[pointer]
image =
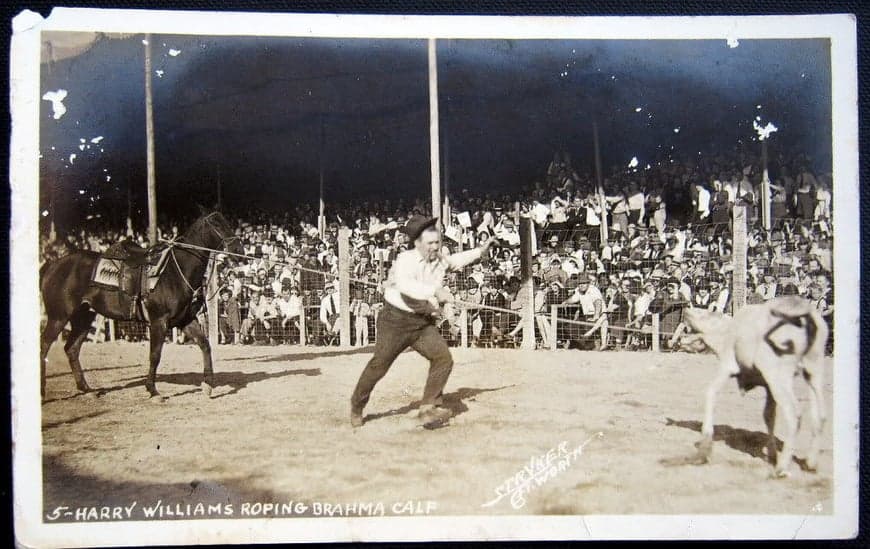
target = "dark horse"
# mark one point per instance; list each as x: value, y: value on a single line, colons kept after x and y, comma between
x: 69, y: 296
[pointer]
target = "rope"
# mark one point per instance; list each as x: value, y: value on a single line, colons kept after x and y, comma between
x: 275, y: 262
x: 464, y: 304
x: 180, y: 272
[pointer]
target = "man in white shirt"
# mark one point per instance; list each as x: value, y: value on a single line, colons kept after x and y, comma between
x: 413, y: 296
x: 290, y: 309
x: 330, y: 308
x: 702, y: 203
x: 592, y: 306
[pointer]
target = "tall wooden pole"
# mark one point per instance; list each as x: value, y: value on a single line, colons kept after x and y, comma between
x: 433, y: 130
x: 765, y: 188
x: 344, y: 285
x: 528, y: 283
x: 738, y: 254
x: 602, y: 202
x: 149, y: 140
x: 321, y: 216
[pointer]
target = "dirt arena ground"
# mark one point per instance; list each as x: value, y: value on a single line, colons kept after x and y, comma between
x: 277, y: 430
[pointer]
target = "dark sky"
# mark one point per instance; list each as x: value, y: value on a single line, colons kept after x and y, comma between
x: 251, y: 111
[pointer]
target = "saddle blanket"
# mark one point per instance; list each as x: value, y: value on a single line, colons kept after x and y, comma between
x: 108, y: 272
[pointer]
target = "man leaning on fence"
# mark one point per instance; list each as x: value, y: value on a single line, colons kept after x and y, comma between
x: 413, y: 298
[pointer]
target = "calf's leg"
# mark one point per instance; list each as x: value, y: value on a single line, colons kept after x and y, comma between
x: 770, y: 422
x: 782, y: 388
x: 727, y: 368
x: 817, y: 418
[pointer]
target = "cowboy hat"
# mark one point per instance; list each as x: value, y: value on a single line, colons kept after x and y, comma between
x: 416, y: 225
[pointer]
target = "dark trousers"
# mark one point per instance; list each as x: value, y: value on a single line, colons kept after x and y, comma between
x: 398, y: 330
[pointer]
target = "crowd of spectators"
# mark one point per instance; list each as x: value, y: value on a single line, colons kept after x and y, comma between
x: 668, y: 246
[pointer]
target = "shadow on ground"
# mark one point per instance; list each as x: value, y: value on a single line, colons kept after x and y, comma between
x: 87, y: 370
x: 235, y: 380
x: 752, y: 443
x: 292, y: 357
x: 64, y: 486
x: 451, y: 401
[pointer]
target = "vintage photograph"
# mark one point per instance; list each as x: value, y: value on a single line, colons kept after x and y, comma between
x: 325, y: 276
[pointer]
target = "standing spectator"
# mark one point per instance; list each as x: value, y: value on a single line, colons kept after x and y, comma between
x: 619, y: 212
x: 719, y: 295
x: 636, y: 204
x: 805, y: 196
x: 360, y: 311
x: 669, y: 305
x: 330, y: 310
x: 229, y: 318
x: 656, y: 205
x: 701, y: 203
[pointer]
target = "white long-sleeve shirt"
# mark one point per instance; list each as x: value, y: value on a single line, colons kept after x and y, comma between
x: 418, y: 278
x: 329, y: 305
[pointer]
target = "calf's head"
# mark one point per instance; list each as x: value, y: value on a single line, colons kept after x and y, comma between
x: 711, y: 326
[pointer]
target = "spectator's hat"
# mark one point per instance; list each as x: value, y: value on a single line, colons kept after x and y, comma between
x: 657, y: 273
x: 225, y: 291
x: 672, y: 281
x: 555, y: 260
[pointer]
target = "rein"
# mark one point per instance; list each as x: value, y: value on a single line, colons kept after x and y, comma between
x: 177, y: 243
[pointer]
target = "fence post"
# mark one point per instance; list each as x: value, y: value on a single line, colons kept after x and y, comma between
x: 463, y: 327
x: 303, y: 335
x: 655, y: 332
x: 344, y: 285
x: 212, y: 301
x: 738, y: 258
x: 554, y: 324
x: 528, y: 283
x: 112, y: 328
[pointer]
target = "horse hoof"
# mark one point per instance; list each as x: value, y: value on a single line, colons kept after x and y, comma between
x: 779, y: 474
x: 157, y: 398
x: 92, y: 395
x: 206, y: 389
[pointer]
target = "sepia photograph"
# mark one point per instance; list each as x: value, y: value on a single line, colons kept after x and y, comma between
x: 388, y: 278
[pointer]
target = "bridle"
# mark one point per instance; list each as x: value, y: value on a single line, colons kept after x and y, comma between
x: 225, y: 240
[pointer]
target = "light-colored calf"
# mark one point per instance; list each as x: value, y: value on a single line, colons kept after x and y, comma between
x: 767, y: 345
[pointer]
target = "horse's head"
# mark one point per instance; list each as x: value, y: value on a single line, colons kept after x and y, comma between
x: 214, y: 227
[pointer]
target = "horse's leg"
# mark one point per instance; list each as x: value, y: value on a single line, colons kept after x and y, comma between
x: 52, y: 329
x: 157, y: 335
x: 194, y: 331
x: 80, y: 325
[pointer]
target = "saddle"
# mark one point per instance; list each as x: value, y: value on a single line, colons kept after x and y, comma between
x: 131, y: 272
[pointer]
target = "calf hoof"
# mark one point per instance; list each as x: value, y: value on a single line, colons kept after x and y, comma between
x: 206, y: 389
x: 705, y: 447
x: 777, y: 474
